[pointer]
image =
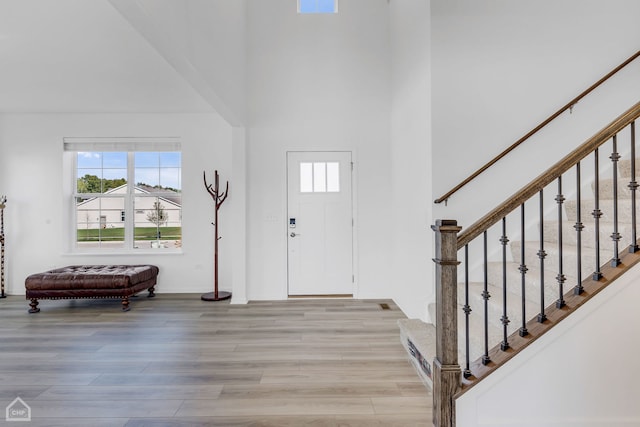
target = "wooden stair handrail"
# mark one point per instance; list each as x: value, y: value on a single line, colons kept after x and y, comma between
x: 548, y: 176
x: 567, y: 106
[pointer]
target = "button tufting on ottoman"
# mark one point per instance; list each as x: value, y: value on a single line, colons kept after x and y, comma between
x: 91, y: 281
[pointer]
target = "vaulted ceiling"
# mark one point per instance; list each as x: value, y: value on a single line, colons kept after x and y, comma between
x: 83, y: 56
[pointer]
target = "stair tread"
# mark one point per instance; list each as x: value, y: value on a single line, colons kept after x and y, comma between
x: 495, y: 306
x: 420, y: 334
x: 419, y: 341
x: 551, y: 249
x: 476, y: 335
x: 605, y: 187
x: 605, y: 206
x: 531, y: 276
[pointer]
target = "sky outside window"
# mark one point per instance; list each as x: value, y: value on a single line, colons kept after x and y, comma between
x: 158, y: 169
x: 317, y: 6
x: 98, y: 166
x: 151, y: 168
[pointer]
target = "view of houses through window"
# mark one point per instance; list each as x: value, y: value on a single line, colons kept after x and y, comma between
x: 128, y: 200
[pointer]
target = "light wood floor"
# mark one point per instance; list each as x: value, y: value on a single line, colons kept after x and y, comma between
x: 175, y: 360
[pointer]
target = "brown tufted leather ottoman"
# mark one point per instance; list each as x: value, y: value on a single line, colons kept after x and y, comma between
x: 91, y: 281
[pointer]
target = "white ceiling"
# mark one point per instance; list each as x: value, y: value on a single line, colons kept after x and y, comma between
x: 82, y: 56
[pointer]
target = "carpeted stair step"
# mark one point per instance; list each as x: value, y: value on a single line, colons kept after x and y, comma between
x: 476, y: 335
x: 569, y: 258
x: 624, y: 168
x: 419, y: 341
x: 588, y: 236
x: 587, y: 207
x: 532, y: 280
x: 494, y: 305
x: 606, y: 188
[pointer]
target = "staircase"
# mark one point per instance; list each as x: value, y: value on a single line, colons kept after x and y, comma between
x: 520, y: 277
x: 418, y: 337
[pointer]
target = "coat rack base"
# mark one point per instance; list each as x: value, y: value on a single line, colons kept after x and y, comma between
x: 211, y: 296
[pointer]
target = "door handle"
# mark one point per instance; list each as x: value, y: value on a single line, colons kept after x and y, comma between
x: 293, y: 234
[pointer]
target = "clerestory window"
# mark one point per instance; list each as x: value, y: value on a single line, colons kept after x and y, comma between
x: 317, y: 6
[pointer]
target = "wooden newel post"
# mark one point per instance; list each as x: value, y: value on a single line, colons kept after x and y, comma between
x: 446, y: 372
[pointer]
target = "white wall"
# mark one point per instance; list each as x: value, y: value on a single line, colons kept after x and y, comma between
x: 500, y: 67
x: 204, y: 41
x: 217, y: 41
x: 318, y: 83
x: 32, y: 177
x: 565, y: 378
x: 411, y: 156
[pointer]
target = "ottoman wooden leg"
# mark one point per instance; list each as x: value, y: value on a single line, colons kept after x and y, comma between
x: 151, y: 292
x: 34, y: 305
x: 125, y: 304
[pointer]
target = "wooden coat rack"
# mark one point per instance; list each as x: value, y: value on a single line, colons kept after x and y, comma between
x: 3, y: 201
x: 218, y: 200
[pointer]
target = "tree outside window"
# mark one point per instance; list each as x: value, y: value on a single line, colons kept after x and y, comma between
x: 158, y: 216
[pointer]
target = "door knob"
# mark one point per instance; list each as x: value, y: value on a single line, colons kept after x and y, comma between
x: 293, y: 234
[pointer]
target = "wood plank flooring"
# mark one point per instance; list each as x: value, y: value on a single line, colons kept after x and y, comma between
x: 175, y: 360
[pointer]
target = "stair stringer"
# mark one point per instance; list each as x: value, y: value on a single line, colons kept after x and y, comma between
x: 581, y: 372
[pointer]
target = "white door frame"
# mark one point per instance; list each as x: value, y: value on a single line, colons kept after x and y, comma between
x: 354, y: 213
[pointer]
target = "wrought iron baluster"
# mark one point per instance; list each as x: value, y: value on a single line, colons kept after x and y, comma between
x: 633, y: 186
x: 615, y: 236
x: 597, y: 213
x: 542, y: 255
x: 523, y: 271
x: 579, y: 226
x: 485, y: 296
x: 467, y: 311
x: 560, y: 277
x: 504, y: 345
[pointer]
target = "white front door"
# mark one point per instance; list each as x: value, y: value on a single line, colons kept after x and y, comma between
x: 320, y: 223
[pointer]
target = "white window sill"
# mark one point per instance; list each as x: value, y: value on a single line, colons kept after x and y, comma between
x: 145, y: 252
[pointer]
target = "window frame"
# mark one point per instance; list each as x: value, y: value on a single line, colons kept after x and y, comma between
x: 130, y: 146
